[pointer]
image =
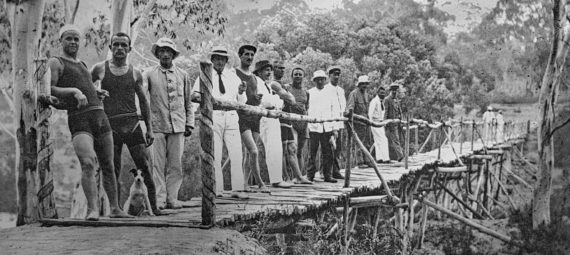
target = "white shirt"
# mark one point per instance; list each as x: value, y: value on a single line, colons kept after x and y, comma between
x: 376, y: 109
x: 269, y: 98
x: 322, y: 105
x: 231, y: 84
x: 339, y: 104
x: 488, y: 117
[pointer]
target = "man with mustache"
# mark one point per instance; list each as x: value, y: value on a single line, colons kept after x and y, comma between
x: 172, y: 118
x: 124, y: 83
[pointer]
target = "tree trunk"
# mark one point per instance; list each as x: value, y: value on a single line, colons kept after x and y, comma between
x: 120, y: 16
x: 547, y: 98
x: 25, y: 40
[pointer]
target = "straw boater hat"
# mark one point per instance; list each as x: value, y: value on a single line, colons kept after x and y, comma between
x: 332, y: 68
x: 219, y: 51
x: 363, y: 79
x: 164, y: 42
x: 262, y: 64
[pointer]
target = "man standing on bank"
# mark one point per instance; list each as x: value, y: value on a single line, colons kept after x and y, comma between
x: 172, y: 116
x: 88, y: 123
x: 321, y: 105
x: 124, y: 83
x: 226, y: 86
x: 376, y: 113
x: 339, y: 108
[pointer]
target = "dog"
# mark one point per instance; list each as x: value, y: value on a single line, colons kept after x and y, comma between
x: 138, y: 203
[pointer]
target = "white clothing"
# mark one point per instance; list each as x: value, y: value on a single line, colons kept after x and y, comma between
x: 488, y: 118
x: 376, y: 113
x: 226, y: 129
x: 270, y: 133
x: 500, y: 127
x: 321, y: 105
x: 339, y: 104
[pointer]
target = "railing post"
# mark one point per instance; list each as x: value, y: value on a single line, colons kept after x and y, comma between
x: 472, y: 133
x: 207, y: 144
x: 416, y: 139
x: 439, y: 142
x: 350, y: 144
x: 407, y: 150
x: 461, y: 135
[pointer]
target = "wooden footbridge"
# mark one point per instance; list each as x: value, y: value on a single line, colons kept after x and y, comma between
x: 462, y: 177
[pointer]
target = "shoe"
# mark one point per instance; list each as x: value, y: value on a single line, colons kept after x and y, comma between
x: 239, y: 195
x: 337, y: 176
x: 331, y: 180
x: 362, y: 166
x: 158, y: 212
x: 311, y: 178
x: 92, y: 215
x: 174, y: 205
x: 284, y: 185
x: 118, y: 213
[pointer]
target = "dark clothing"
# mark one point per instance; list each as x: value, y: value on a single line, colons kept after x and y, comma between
x: 359, y: 102
x: 76, y: 75
x: 121, y: 90
x: 393, y: 111
x: 337, y: 153
x: 249, y: 121
x: 127, y: 130
x: 315, y: 140
x: 301, y: 104
x: 93, y: 122
x: 287, y: 133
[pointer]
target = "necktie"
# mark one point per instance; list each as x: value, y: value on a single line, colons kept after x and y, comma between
x: 268, y: 89
x: 221, y: 84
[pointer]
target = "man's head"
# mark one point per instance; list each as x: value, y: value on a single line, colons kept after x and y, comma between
x: 394, y: 88
x: 402, y: 92
x: 381, y: 92
x: 246, y: 54
x: 320, y: 79
x: 69, y: 37
x: 219, y: 57
x: 278, y: 69
x: 297, y: 75
x: 363, y: 82
x: 334, y: 74
x: 263, y: 69
x: 120, y: 45
x: 165, y: 50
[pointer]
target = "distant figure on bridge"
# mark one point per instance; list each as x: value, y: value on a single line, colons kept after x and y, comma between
x: 488, y: 120
x: 227, y: 86
x: 90, y: 129
x: 272, y: 99
x: 249, y: 124
x: 359, y: 102
x: 124, y: 83
x: 321, y: 105
x: 500, y: 126
x: 338, y: 111
x: 376, y: 113
x: 301, y: 95
x: 393, y: 111
x: 288, y: 133
x: 172, y: 117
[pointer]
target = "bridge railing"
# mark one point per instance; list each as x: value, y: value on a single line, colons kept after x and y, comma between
x: 450, y: 132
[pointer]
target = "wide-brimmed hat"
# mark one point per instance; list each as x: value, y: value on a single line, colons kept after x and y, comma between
x: 489, y: 108
x: 248, y: 47
x: 164, y: 42
x: 262, y: 64
x: 362, y: 79
x: 319, y: 74
x: 332, y: 68
x: 219, y: 51
x: 396, y: 85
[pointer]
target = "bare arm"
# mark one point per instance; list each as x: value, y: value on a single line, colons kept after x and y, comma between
x: 283, y: 94
x: 56, y: 68
x: 143, y: 100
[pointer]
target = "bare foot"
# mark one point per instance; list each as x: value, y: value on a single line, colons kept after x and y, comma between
x: 118, y: 213
x: 92, y: 215
x: 303, y: 180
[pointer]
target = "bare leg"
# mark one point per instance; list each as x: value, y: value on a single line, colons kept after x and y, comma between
x: 104, y: 151
x: 292, y: 161
x: 83, y: 145
x: 249, y: 140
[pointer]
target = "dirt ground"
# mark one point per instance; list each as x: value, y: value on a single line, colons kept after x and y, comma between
x: 124, y: 240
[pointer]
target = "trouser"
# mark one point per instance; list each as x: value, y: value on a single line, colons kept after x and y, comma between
x: 337, y: 153
x: 393, y: 135
x: 270, y: 133
x: 226, y: 129
x: 363, y: 132
x: 380, y: 144
x: 167, y: 163
x: 315, y: 140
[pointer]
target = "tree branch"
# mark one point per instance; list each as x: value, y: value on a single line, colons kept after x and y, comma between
x: 75, y: 12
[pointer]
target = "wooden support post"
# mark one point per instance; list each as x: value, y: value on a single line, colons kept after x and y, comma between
x: 459, y: 200
x: 472, y: 134
x: 453, y: 149
x: 472, y: 224
x: 407, y: 145
x: 416, y: 138
x: 350, y: 145
x: 504, y: 190
x: 426, y: 141
x: 439, y: 142
x: 374, y: 166
x: 46, y: 198
x: 461, y: 135
x: 346, y: 225
x: 207, y: 144
x: 423, y: 226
